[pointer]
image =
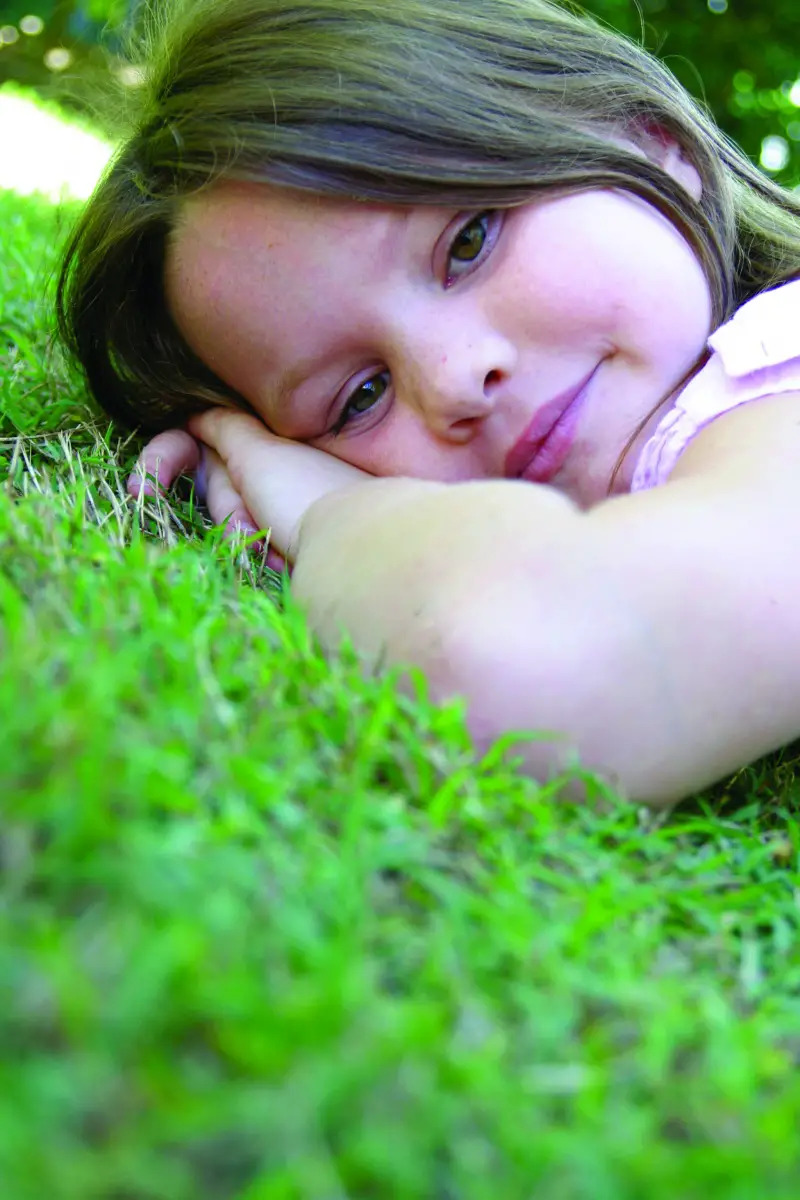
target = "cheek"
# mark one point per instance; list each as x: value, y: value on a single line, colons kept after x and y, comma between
x: 550, y: 289
x: 602, y: 265
x: 387, y: 449
x: 647, y: 308
x: 400, y: 445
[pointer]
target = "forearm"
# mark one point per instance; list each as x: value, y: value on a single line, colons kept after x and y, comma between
x: 493, y: 589
x: 659, y: 633
x: 397, y: 562
x: 617, y: 628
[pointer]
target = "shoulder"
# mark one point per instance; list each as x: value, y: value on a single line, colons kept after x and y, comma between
x: 753, y: 443
x: 748, y: 409
x: 755, y: 357
x: 764, y: 332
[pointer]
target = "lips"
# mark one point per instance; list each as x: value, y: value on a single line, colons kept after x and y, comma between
x: 541, y: 451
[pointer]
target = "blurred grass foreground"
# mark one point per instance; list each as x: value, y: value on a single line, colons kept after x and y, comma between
x: 269, y: 932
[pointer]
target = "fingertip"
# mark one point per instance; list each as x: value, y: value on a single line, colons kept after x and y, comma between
x: 276, y: 562
x: 242, y: 527
x: 207, y: 425
x: 168, y: 455
x: 138, y: 485
x: 200, y: 478
x: 195, y: 425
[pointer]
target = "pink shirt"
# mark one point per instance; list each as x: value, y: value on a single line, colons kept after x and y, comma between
x: 759, y: 351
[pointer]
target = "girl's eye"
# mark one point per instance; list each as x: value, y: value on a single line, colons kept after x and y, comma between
x: 360, y: 401
x: 466, y: 249
x: 468, y: 245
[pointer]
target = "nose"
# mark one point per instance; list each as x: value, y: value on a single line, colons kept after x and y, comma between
x: 457, y: 378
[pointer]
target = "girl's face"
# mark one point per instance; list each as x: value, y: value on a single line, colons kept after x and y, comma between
x: 425, y: 341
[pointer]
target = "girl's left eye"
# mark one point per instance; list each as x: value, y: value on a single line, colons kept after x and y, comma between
x: 469, y: 244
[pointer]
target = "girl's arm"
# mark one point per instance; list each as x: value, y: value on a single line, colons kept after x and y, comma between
x: 659, y: 633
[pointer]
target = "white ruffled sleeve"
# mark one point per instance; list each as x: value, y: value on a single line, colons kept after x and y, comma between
x: 759, y: 352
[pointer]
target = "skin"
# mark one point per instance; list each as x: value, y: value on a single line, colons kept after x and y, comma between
x: 656, y: 632
x: 271, y: 286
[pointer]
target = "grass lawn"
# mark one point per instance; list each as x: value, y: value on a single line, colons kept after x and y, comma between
x: 268, y: 932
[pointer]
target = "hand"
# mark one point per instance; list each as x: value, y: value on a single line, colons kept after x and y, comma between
x: 253, y: 478
x: 175, y: 452
x: 278, y: 480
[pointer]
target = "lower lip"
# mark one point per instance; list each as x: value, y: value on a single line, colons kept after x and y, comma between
x: 551, y: 453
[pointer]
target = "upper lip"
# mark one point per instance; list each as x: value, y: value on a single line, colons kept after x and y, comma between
x: 540, y: 427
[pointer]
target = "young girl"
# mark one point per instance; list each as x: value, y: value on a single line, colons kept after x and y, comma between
x: 492, y: 253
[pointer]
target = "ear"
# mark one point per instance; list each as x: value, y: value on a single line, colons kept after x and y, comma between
x: 665, y: 151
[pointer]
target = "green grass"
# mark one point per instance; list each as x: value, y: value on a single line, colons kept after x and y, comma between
x: 268, y: 931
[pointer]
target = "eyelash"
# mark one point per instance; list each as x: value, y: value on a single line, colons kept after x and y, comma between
x: 487, y: 215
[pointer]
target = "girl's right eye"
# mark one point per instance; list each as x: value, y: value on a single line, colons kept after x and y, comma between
x: 361, y: 400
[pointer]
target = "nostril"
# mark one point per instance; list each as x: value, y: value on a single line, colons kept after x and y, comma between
x: 491, y: 379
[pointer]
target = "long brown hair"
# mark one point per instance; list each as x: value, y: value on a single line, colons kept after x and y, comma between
x: 483, y: 103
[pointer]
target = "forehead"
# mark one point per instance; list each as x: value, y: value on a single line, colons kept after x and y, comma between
x: 233, y: 220
x: 247, y: 264
x: 237, y: 227
x: 234, y: 261
x: 253, y: 234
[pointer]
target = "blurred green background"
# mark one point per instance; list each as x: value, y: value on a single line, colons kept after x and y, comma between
x: 741, y: 57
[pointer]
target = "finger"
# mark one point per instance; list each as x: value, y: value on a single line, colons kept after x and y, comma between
x: 164, y: 458
x: 236, y: 436
x: 216, y: 423
x: 278, y: 479
x: 201, y: 478
x: 224, y: 502
x: 276, y: 562
x: 226, y: 505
